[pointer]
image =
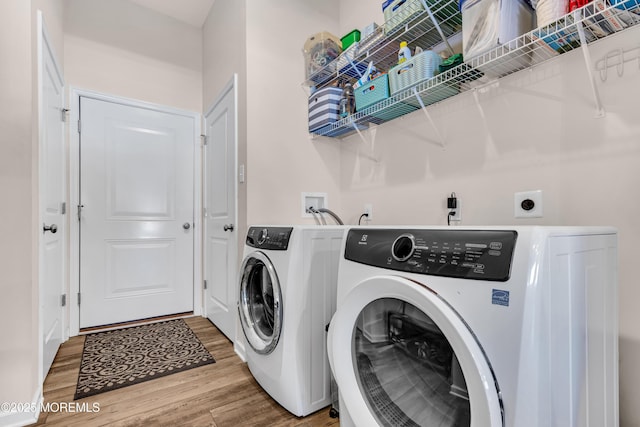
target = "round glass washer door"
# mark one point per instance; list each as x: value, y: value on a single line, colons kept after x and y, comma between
x: 260, y: 303
x: 402, y: 356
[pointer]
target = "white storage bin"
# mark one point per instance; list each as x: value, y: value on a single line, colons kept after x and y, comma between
x: 487, y: 24
x: 549, y: 11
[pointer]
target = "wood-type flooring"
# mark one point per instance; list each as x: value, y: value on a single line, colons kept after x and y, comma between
x: 223, y: 394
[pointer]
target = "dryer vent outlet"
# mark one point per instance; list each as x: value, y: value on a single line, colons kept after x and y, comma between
x: 528, y: 204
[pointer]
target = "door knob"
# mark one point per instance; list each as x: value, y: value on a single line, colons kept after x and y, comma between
x: 52, y: 228
x: 186, y: 225
x: 228, y: 227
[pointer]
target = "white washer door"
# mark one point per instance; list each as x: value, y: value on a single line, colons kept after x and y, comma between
x: 260, y: 303
x: 402, y: 356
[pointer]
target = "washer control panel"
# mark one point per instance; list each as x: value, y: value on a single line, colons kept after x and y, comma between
x: 269, y: 238
x: 467, y: 254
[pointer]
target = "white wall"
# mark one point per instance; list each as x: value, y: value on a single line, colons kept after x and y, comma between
x: 224, y: 54
x: 120, y: 48
x: 19, y: 227
x: 357, y: 14
x: 18, y: 369
x: 224, y: 48
x: 539, y: 132
x: 281, y: 160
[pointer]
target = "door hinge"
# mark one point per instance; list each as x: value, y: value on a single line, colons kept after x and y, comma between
x: 63, y: 300
x: 80, y: 212
x: 204, y: 139
x: 63, y: 208
x: 205, y: 284
x: 78, y: 298
x: 63, y: 114
x: 79, y: 127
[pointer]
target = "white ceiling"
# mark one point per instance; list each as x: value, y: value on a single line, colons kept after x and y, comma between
x: 193, y: 12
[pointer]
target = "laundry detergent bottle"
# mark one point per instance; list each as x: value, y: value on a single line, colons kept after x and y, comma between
x: 404, y: 53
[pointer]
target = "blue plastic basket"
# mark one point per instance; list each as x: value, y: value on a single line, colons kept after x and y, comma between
x: 372, y: 92
x: 359, y: 71
x: 628, y: 4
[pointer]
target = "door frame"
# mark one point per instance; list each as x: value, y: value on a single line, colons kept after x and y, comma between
x: 74, y: 199
x: 44, y: 44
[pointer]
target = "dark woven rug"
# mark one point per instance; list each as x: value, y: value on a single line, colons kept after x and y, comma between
x: 123, y: 357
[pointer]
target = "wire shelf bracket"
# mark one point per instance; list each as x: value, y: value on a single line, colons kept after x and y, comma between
x: 600, y: 113
x: 483, y: 116
x: 360, y: 134
x: 426, y: 113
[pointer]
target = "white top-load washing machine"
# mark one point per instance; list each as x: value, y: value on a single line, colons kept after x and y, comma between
x: 478, y: 326
x: 287, y: 296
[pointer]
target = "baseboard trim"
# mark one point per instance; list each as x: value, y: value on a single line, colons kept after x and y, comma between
x: 239, y: 349
x: 23, y: 418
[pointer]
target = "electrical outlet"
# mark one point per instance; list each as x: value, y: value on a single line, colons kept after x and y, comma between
x: 458, y: 215
x: 368, y: 209
x: 528, y: 204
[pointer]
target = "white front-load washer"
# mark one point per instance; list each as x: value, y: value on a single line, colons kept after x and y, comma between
x: 287, y: 295
x: 482, y: 327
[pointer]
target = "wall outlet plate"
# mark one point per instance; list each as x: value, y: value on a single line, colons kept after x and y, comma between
x: 528, y: 204
x: 458, y: 211
x: 368, y: 209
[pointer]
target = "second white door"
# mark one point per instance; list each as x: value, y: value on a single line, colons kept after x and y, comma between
x: 53, y: 245
x: 136, y: 212
x: 221, y: 245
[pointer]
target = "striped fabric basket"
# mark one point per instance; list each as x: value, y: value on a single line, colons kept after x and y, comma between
x: 324, y: 107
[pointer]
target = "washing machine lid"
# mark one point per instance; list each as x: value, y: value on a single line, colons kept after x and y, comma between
x: 366, y: 399
x: 260, y: 303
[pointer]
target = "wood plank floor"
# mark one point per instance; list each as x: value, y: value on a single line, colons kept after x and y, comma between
x: 217, y: 395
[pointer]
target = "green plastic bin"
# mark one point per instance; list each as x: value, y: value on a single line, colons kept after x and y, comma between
x: 350, y: 38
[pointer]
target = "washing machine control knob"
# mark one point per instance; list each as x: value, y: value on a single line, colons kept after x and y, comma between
x: 403, y: 247
x: 262, y: 237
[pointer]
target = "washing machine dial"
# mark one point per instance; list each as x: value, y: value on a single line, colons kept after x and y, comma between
x: 403, y: 247
x: 262, y: 237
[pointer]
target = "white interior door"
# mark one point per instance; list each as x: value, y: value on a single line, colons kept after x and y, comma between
x: 137, y: 212
x: 220, y: 213
x: 52, y: 203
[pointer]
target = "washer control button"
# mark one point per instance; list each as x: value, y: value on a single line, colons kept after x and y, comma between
x: 403, y: 247
x: 262, y: 237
